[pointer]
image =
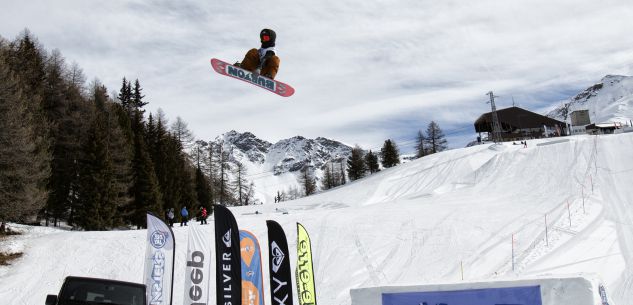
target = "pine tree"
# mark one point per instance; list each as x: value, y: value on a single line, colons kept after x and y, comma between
x: 212, y: 171
x: 158, y: 146
x: 281, y: 196
x: 181, y: 131
x: 151, y: 136
x: 307, y: 181
x: 104, y: 176
x: 121, y: 150
x: 371, y: 161
x: 137, y: 97
x: 328, y: 177
x: 92, y: 210
x: 356, y: 164
x: 203, y: 191
x: 145, y: 189
x: 66, y: 110
x: 23, y: 158
x: 241, y: 184
x: 179, y: 175
x: 250, y: 194
x: 125, y: 95
x: 26, y: 60
x: 343, y: 181
x: 435, y: 139
x: 390, y: 154
x: 420, y: 146
x: 224, y: 193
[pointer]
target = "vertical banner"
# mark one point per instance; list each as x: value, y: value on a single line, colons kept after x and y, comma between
x: 198, y: 270
x: 159, y: 262
x: 227, y: 257
x: 252, y: 277
x: 279, y: 265
x: 305, y: 271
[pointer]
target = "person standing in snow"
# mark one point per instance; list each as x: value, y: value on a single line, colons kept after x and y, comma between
x: 263, y: 60
x: 184, y: 214
x: 170, y: 217
x: 203, y: 215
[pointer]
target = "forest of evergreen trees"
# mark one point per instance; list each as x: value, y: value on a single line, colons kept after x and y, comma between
x: 71, y: 153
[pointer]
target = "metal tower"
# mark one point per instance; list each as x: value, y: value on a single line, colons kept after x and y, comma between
x: 496, y: 127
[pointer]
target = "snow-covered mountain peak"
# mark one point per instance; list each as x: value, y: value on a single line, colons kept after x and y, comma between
x: 290, y: 155
x: 274, y: 166
x: 249, y: 146
x: 609, y: 101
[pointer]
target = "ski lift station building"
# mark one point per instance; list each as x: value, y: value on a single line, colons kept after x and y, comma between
x: 520, y: 124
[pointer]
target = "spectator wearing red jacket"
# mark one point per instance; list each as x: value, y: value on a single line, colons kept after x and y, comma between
x: 203, y: 215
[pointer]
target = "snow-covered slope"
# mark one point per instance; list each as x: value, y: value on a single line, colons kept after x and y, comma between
x: 274, y: 167
x: 609, y: 101
x: 412, y: 224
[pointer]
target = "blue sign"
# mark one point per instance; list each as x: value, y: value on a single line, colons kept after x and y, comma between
x: 530, y: 295
x: 158, y: 239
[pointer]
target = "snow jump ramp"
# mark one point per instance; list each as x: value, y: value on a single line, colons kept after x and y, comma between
x: 579, y: 290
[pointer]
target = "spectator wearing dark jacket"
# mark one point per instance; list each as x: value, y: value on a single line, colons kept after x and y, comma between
x: 170, y: 217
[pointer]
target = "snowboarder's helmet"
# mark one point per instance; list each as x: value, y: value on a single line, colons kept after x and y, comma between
x: 267, y: 36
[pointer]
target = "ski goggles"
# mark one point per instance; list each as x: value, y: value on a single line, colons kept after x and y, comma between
x: 265, y: 38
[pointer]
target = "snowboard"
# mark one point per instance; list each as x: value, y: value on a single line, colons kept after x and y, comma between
x: 271, y: 85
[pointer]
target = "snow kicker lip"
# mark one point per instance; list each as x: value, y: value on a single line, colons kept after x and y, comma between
x: 251, y: 77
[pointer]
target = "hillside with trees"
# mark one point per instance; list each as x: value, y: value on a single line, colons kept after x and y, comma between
x: 70, y: 153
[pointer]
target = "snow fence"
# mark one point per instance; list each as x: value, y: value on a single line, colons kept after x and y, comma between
x: 578, y: 290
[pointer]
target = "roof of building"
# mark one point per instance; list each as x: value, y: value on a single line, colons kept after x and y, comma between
x: 517, y: 118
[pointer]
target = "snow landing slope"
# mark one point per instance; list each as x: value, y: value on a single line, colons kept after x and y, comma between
x: 412, y: 224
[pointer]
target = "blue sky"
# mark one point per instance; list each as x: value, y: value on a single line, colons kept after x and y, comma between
x: 364, y: 71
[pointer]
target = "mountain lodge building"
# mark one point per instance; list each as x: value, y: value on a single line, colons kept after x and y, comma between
x: 520, y: 124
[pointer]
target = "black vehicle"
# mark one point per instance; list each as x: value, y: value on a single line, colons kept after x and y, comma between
x: 91, y: 291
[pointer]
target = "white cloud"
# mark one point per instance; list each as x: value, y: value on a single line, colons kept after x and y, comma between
x: 353, y: 63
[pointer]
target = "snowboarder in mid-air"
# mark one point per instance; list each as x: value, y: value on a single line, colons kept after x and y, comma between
x: 264, y: 60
